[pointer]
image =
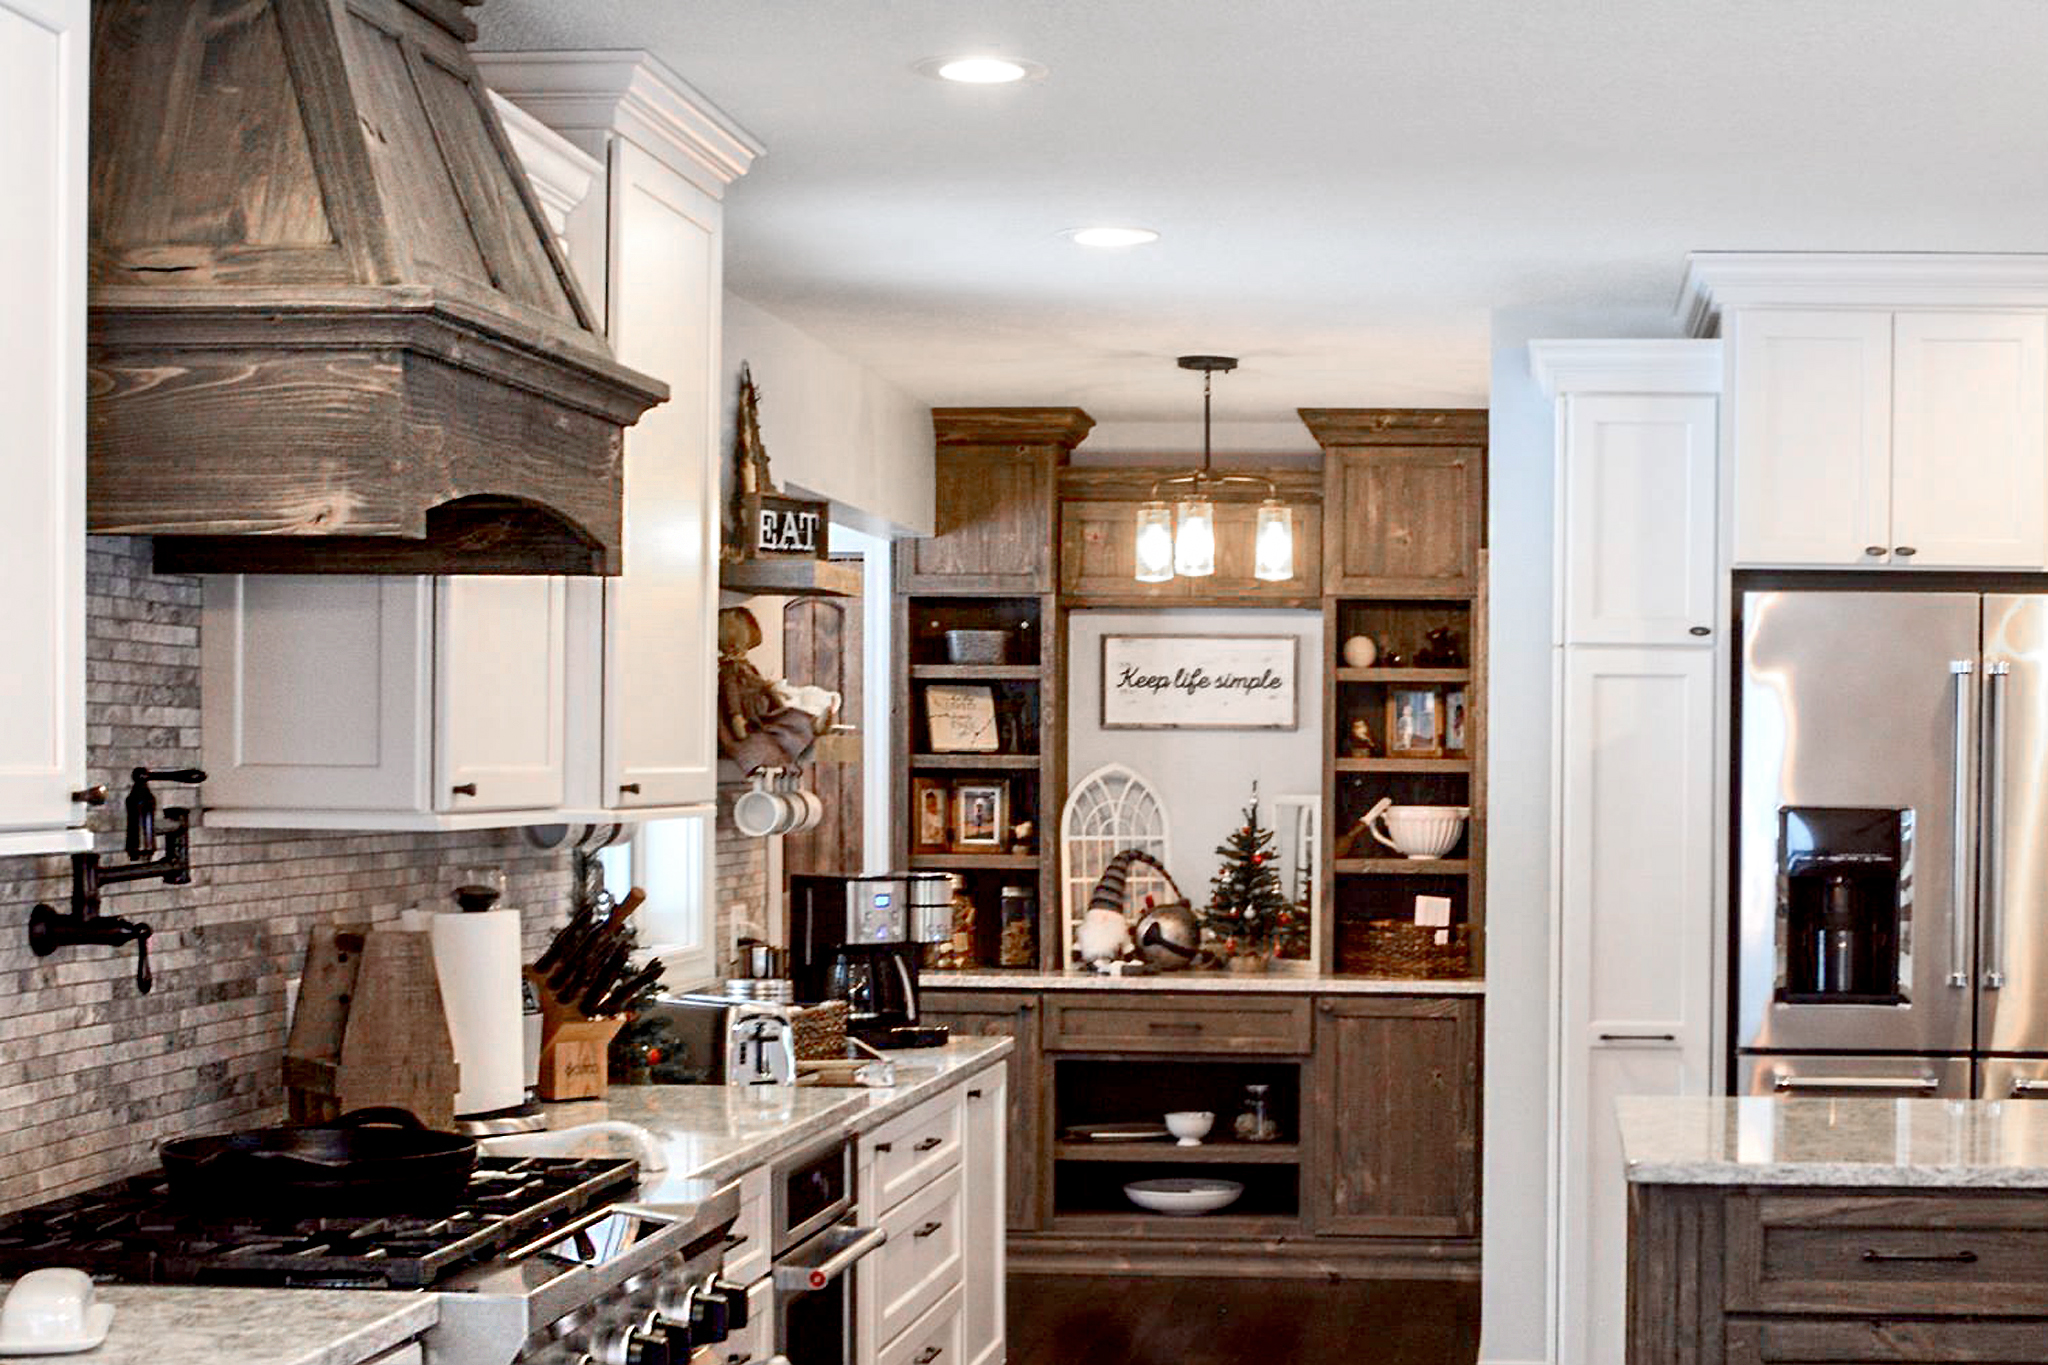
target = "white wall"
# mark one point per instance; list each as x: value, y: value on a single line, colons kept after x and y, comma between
x: 1516, y: 1297
x: 1203, y: 776
x: 833, y: 428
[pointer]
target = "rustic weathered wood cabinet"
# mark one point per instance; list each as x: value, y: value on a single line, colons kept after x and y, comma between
x: 997, y: 481
x: 1098, y: 540
x: 993, y: 1014
x: 1404, y: 502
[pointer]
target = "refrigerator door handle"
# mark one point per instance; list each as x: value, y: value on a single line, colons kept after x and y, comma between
x: 1959, y: 833
x: 1997, y: 678
x: 1890, y: 1084
x: 2025, y: 1089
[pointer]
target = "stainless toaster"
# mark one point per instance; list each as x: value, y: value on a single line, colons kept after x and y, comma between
x: 710, y: 1040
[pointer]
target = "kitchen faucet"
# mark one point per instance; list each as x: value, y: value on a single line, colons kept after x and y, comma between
x: 50, y: 929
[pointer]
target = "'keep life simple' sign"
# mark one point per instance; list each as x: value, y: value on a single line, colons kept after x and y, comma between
x: 1199, y: 682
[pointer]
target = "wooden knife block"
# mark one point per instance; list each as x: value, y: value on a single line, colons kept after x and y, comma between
x: 574, y: 1050
x: 370, y: 1029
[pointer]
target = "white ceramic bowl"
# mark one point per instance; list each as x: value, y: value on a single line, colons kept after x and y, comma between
x: 1183, y: 1196
x: 1418, y: 831
x: 1190, y: 1125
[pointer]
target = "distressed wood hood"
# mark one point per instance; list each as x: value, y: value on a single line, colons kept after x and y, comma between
x: 329, y: 328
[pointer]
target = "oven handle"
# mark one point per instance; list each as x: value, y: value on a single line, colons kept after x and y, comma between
x: 852, y: 1244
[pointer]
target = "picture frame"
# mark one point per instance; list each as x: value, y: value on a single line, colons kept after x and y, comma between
x: 1457, y: 724
x: 1200, y: 682
x: 931, y: 807
x: 960, y: 718
x: 981, y: 815
x: 1414, y: 723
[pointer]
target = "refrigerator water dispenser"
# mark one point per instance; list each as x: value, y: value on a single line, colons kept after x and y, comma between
x: 1844, y: 905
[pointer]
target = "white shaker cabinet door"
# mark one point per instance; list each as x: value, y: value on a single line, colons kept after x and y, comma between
x: 1639, y: 490
x: 1635, y: 910
x: 660, y: 745
x: 1970, y: 440
x: 1811, y: 409
x: 499, y: 704
x: 43, y: 49
x: 984, y: 1207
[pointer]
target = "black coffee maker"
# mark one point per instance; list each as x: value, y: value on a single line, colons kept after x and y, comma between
x: 858, y: 939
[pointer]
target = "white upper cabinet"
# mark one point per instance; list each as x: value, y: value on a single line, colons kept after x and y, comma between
x: 43, y: 50
x: 656, y: 255
x: 390, y: 702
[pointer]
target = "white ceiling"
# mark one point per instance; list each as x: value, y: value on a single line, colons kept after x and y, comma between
x: 1346, y: 188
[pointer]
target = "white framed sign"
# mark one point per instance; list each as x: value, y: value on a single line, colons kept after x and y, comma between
x: 1200, y: 682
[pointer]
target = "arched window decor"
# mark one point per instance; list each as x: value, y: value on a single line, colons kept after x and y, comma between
x: 1108, y: 811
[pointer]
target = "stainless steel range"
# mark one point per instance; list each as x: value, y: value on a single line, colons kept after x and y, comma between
x: 545, y: 1260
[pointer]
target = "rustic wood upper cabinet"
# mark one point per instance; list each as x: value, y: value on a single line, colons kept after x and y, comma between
x: 42, y: 390
x: 997, y: 472
x: 1098, y: 528
x: 1397, y: 1150
x: 1404, y: 499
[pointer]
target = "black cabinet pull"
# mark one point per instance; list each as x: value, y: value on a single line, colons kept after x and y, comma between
x: 735, y: 1239
x: 1172, y: 1026
x: 1874, y: 551
x: 463, y: 789
x: 928, y: 1144
x: 974, y: 1094
x: 929, y: 1354
x: 929, y: 1228
x: 882, y: 1147
x: 629, y: 789
x: 91, y: 796
x: 1700, y: 630
x: 1904, y: 551
x: 1638, y: 1037
x: 1911, y: 1258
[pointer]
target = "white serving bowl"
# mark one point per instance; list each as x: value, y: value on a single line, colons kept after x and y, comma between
x: 1417, y: 831
x: 1190, y: 1125
x: 1183, y: 1196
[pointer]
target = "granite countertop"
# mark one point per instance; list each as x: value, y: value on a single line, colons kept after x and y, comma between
x: 1878, y: 1143
x: 716, y: 1133
x: 195, y: 1325
x: 1257, y: 983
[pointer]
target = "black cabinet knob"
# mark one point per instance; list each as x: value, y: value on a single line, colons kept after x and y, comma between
x: 1874, y: 551
x: 629, y: 789
x: 463, y: 789
x: 1700, y: 630
x: 1904, y: 551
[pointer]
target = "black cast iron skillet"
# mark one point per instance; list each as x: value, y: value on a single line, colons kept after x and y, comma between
x: 368, y: 1161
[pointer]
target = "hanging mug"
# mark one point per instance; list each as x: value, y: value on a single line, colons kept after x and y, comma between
x: 759, y: 811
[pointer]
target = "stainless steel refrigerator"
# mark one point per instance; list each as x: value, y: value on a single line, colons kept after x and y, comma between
x: 1891, y: 840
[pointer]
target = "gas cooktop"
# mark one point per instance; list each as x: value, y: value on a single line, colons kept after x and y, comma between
x: 134, y: 1231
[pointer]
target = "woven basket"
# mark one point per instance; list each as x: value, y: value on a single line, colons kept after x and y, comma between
x: 1396, y: 948
x: 820, y: 1031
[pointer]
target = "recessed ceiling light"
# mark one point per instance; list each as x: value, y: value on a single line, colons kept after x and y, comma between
x: 1113, y: 236
x: 981, y: 70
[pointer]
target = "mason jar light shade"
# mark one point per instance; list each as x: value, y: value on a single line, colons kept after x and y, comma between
x: 1194, y: 543
x: 1273, y: 547
x: 1155, y: 543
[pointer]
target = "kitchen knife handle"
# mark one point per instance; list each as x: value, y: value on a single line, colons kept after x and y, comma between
x: 1959, y: 833
x: 1998, y: 678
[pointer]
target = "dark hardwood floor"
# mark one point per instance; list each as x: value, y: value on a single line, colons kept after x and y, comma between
x: 1111, y: 1320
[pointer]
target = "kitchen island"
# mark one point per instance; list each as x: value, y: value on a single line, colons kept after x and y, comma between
x: 210, y: 1325
x: 1845, y: 1230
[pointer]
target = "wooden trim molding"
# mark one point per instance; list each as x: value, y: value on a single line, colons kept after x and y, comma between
x: 1395, y: 426
x: 1127, y: 483
x: 1064, y: 427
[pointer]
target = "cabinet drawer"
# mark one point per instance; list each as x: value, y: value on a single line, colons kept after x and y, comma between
x: 1863, y: 1339
x: 907, y: 1152
x: 1179, y: 1023
x: 1941, y: 1255
x: 412, y: 1353
x: 746, y: 1248
x: 933, y: 1340
x: 921, y: 1262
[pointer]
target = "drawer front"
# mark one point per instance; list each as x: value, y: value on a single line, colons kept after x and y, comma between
x: 1942, y: 1255
x: 412, y: 1353
x: 933, y: 1340
x: 753, y: 1344
x: 1859, y: 1340
x: 747, y: 1250
x: 1179, y: 1023
x: 921, y: 1262
x: 909, y: 1151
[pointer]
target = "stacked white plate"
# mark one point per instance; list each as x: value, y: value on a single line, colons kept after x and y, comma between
x: 1184, y: 1196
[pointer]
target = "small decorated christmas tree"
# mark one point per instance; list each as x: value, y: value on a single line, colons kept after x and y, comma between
x: 1248, y: 911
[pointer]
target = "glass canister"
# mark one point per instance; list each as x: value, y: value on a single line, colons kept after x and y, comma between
x: 956, y: 954
x: 1020, y: 927
x: 1256, y: 1123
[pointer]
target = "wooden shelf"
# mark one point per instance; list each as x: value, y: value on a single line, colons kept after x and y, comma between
x: 1402, y: 765
x: 977, y: 762
x: 1227, y: 1153
x: 970, y: 862
x: 974, y: 672
x: 791, y: 578
x: 1103, y: 1224
x: 1403, y: 867
x: 1403, y: 675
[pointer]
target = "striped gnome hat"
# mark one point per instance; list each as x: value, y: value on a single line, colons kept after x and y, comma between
x: 1110, y: 893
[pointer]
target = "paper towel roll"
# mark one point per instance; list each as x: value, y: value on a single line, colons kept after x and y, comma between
x: 476, y: 957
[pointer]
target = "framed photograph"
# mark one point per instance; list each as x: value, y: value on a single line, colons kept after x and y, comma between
x: 960, y: 718
x: 1200, y: 682
x: 930, y: 811
x: 1455, y: 723
x: 981, y: 816
x: 1414, y: 723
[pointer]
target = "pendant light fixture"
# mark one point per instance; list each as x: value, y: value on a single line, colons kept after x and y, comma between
x: 1182, y: 540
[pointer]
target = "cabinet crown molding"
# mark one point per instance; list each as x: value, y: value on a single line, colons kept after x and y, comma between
x: 1395, y: 426
x: 560, y: 172
x: 1719, y: 280
x: 587, y: 96
x: 1626, y: 366
x: 1064, y: 427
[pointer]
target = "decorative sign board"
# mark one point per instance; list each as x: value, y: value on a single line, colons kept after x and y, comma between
x: 1199, y: 682
x: 786, y: 528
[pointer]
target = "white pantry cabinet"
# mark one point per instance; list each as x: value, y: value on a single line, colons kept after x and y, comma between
x: 43, y: 59
x: 644, y: 693
x: 383, y: 702
x: 985, y: 1167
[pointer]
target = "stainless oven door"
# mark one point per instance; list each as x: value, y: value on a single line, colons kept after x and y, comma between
x: 814, y: 1295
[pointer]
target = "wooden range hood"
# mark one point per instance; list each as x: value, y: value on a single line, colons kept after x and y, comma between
x: 330, y: 331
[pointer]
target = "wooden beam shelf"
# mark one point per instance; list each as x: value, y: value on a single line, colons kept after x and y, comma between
x: 976, y: 762
x: 1402, y: 765
x: 1403, y: 867
x: 1228, y: 1153
x: 1403, y: 675
x: 974, y: 672
x: 969, y: 862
